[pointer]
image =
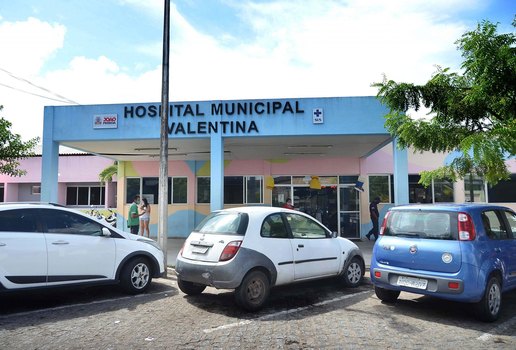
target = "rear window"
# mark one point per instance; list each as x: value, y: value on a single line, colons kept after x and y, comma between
x: 422, y: 224
x: 224, y: 223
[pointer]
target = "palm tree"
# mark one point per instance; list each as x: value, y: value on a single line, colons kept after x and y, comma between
x: 107, y: 174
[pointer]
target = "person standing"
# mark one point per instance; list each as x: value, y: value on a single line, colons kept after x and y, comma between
x: 133, y: 221
x: 145, y: 218
x: 374, y: 214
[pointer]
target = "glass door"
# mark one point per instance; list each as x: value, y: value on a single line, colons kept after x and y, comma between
x: 320, y: 204
x: 349, y: 212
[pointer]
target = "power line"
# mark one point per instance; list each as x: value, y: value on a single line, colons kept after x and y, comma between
x: 32, y: 93
x: 61, y: 98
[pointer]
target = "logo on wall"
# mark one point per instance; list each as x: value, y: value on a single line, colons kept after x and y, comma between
x: 105, y: 121
x: 318, y: 116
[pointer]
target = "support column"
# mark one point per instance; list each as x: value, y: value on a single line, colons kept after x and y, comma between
x: 401, y: 186
x: 217, y: 172
x: 50, y: 159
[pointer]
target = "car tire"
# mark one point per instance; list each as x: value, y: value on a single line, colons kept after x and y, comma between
x: 488, y: 309
x: 353, y: 273
x: 387, y: 295
x: 136, y: 276
x: 253, y: 292
x: 190, y: 288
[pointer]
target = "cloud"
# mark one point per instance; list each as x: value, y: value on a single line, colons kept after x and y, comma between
x: 296, y: 49
x: 29, y: 44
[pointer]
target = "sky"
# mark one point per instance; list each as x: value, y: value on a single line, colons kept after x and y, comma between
x: 69, y: 52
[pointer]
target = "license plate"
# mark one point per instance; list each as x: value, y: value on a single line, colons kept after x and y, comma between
x: 199, y: 250
x: 412, y: 282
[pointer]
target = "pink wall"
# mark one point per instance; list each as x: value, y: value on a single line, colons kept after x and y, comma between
x: 71, y: 169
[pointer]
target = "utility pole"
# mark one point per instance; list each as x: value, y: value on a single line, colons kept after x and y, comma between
x: 163, y: 150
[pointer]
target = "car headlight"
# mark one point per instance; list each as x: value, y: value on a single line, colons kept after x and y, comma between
x: 151, y: 242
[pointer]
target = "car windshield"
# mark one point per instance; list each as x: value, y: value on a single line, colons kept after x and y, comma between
x: 224, y: 223
x: 422, y: 224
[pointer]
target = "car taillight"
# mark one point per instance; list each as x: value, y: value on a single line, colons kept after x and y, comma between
x: 384, y: 223
x: 230, y: 250
x: 466, y: 227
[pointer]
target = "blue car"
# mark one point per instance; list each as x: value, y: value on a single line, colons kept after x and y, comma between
x: 458, y: 252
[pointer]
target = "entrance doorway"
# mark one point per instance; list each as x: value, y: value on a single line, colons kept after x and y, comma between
x: 320, y: 204
x: 336, y: 204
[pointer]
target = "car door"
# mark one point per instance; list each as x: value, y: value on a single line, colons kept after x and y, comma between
x: 23, y: 251
x: 276, y: 244
x: 315, y: 253
x: 510, y: 221
x: 77, y: 250
x: 500, y: 241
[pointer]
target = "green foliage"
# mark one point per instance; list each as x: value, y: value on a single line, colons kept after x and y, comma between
x: 473, y: 113
x: 106, y: 175
x: 13, y: 149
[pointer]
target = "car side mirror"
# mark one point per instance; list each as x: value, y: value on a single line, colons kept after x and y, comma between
x: 106, y: 232
x: 334, y: 234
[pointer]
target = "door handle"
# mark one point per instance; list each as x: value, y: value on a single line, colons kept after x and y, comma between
x: 2, y: 244
x: 60, y: 242
x: 300, y: 245
x: 498, y: 250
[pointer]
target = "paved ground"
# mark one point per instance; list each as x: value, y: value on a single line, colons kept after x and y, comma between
x: 175, y: 244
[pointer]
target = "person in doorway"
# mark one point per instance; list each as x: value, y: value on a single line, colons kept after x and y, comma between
x: 288, y: 204
x: 133, y: 221
x: 374, y: 214
x: 145, y: 210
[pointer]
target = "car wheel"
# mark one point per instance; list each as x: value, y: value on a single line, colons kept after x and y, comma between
x: 190, y: 288
x: 387, y: 295
x: 136, y: 276
x: 353, y: 273
x: 488, y: 309
x: 253, y: 291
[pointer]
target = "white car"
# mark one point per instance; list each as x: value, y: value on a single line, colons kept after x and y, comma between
x: 252, y: 249
x: 45, y: 245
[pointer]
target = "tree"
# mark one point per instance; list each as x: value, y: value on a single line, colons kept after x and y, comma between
x: 13, y: 149
x: 473, y: 113
x: 106, y: 175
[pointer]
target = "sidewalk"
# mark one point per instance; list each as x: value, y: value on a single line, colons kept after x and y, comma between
x: 175, y: 244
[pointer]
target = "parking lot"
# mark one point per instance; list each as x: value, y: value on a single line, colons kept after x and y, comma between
x: 313, y: 315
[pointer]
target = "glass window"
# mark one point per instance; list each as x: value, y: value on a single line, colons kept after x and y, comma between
x: 280, y: 194
x: 493, y: 227
x: 20, y: 220
x: 350, y: 180
x: 282, y: 180
x: 132, y: 189
x: 443, y: 191
x: 233, y: 190
x: 274, y: 227
x: 36, y: 190
x: 150, y: 187
x: 203, y: 190
x: 511, y: 220
x: 83, y: 194
x: 474, y: 188
x: 417, y: 192
x: 224, y: 223
x: 71, y: 196
x: 95, y: 196
x: 1, y: 193
x: 58, y: 221
x: 303, y: 227
x: 503, y: 192
x: 179, y: 188
x: 422, y: 224
x: 254, y: 192
x: 379, y: 186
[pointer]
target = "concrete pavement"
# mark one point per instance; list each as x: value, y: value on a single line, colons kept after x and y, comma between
x: 175, y: 244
